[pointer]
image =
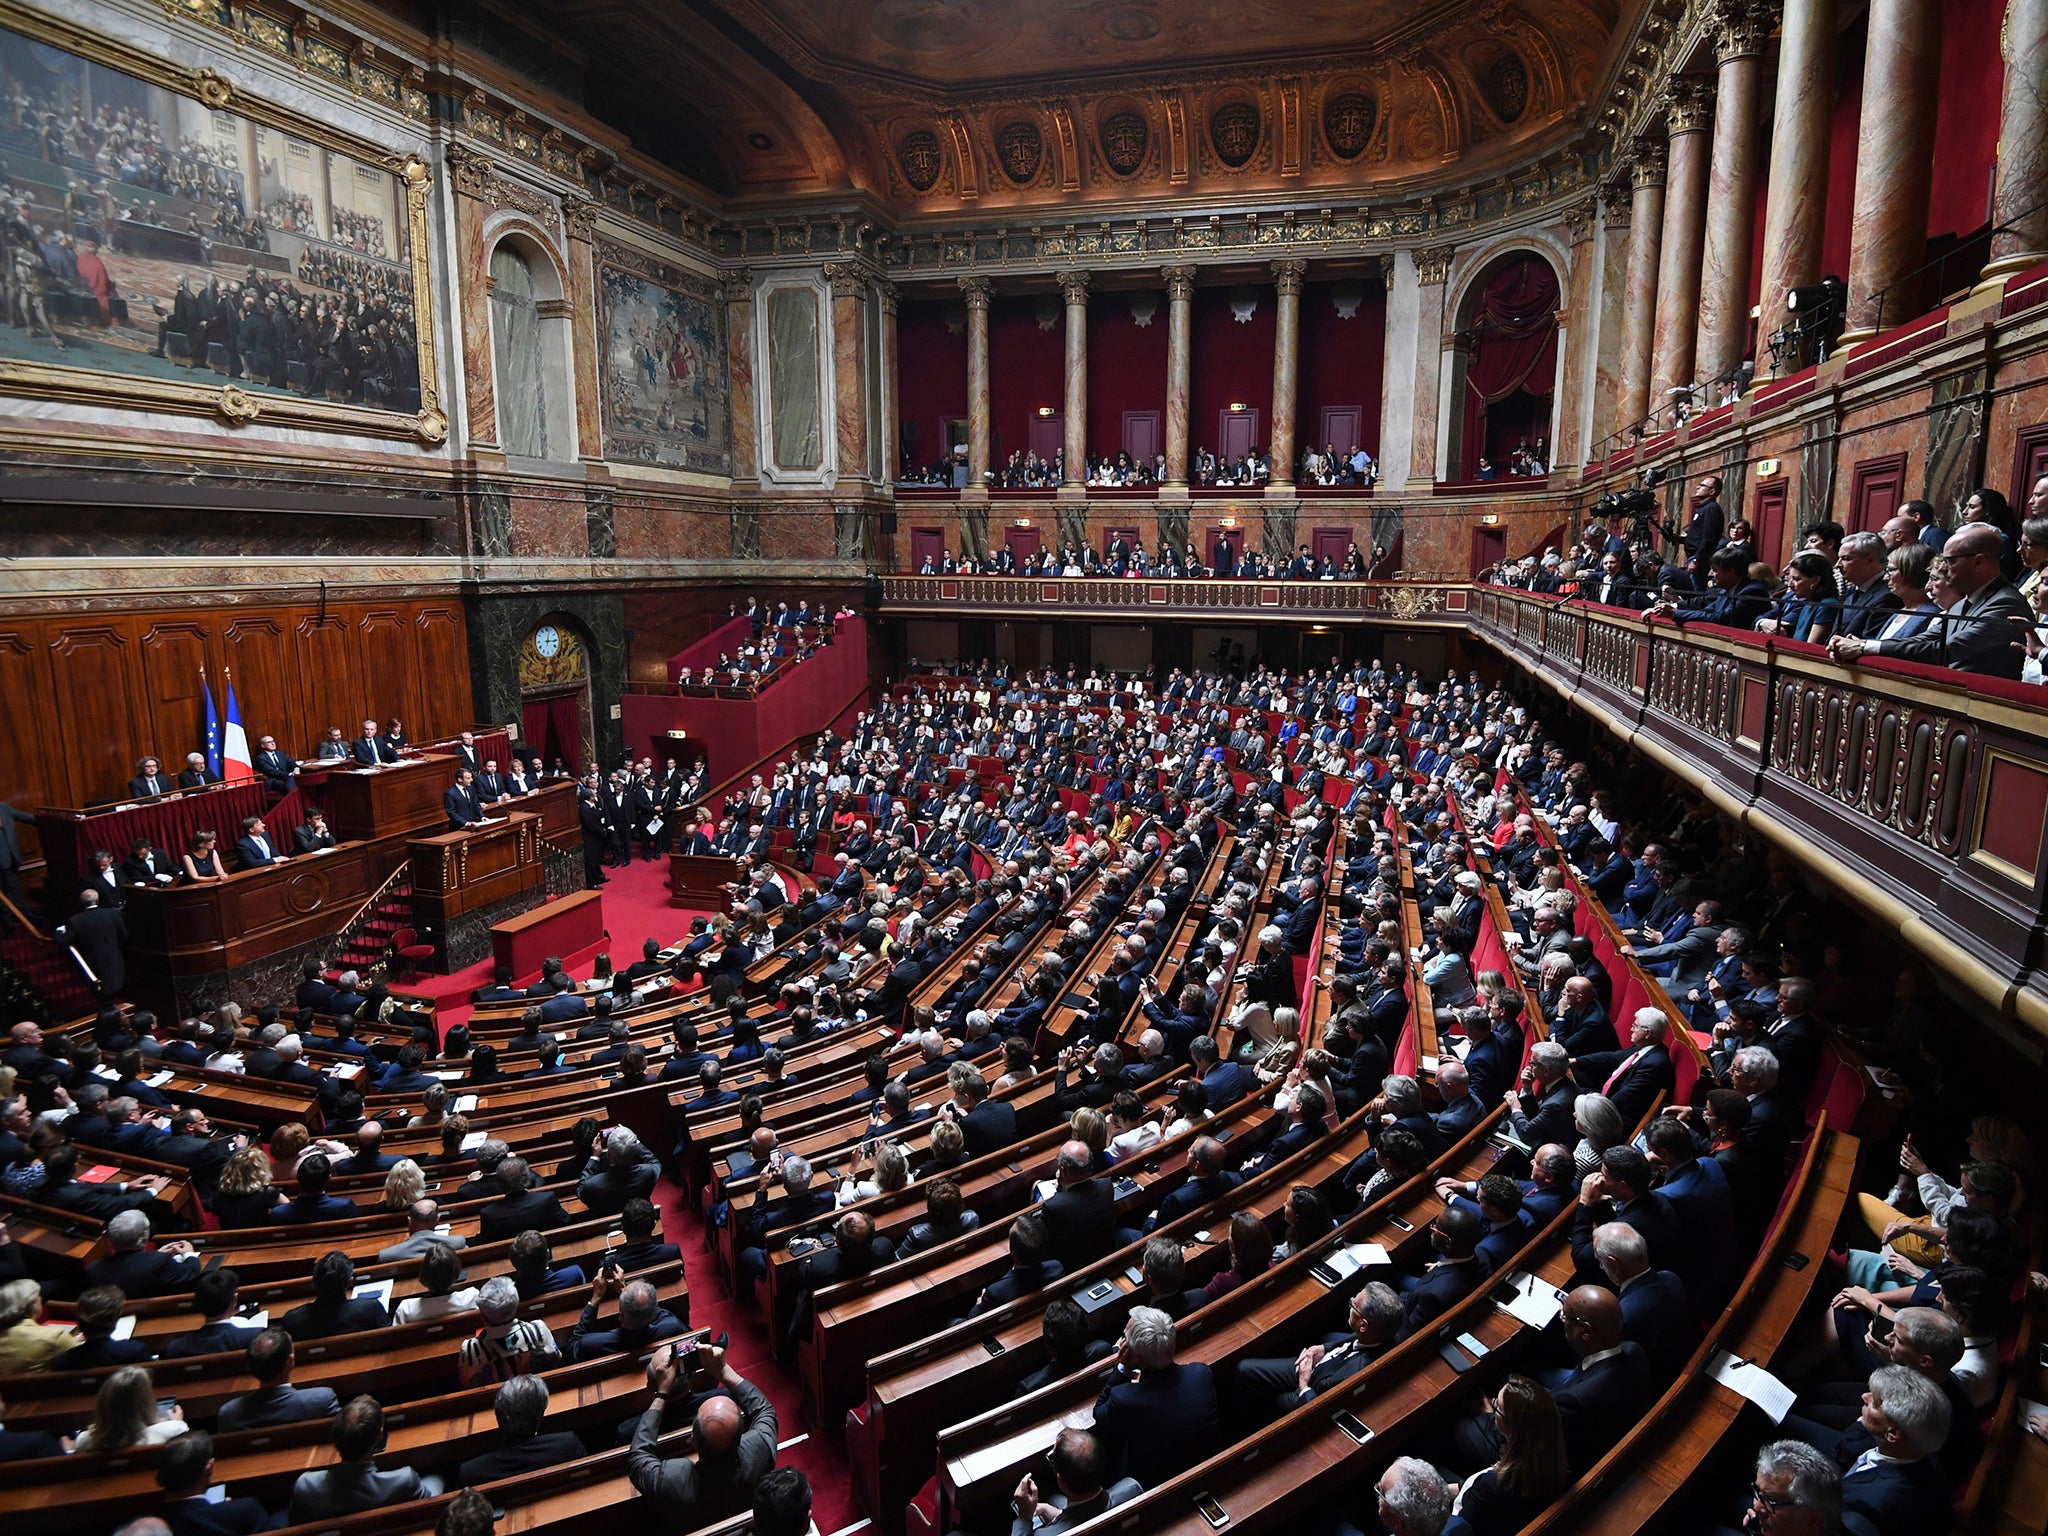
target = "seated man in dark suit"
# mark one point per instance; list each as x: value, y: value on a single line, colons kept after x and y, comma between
x: 254, y: 849
x: 150, y: 780
x: 216, y: 1298
x: 184, y: 1470
x: 275, y: 1400
x: 312, y: 1202
x: 138, y: 1270
x: 370, y: 748
x: 1632, y: 1077
x: 195, y: 774
x: 640, y: 1225
x: 1620, y: 1190
x: 566, y: 1003
x: 628, y: 1172
x: 519, y: 1206
x: 1605, y: 1395
x: 369, y: 1156
x: 642, y: 1321
x: 521, y: 1405
x: 1892, y: 1480
x: 1154, y: 1417
x: 799, y: 1202
x: 1268, y: 1389
x: 313, y: 834
x: 945, y: 1218
x: 986, y: 1126
x: 534, y: 1269
x: 1208, y: 1178
x: 1031, y: 1266
x: 333, y: 1310
x: 1455, y: 1271
x: 1655, y: 1311
x: 1080, y: 1215
x: 98, y: 1313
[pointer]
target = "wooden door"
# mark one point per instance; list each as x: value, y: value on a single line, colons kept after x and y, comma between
x: 1237, y: 434
x: 1332, y: 543
x: 927, y: 544
x: 1767, y: 521
x: 1128, y: 535
x: 1047, y: 433
x: 1876, y: 487
x: 1342, y: 428
x: 1141, y: 436
x: 1023, y: 543
x: 1489, y: 547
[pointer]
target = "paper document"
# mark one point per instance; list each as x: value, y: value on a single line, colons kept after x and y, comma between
x: 465, y: 1103
x: 1536, y: 1301
x: 158, y: 1079
x: 349, y: 1071
x: 124, y: 1327
x: 1753, y: 1382
x: 474, y: 1140
x: 378, y: 1291
x: 452, y: 1077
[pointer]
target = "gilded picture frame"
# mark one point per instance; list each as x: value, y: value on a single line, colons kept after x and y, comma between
x: 331, y: 397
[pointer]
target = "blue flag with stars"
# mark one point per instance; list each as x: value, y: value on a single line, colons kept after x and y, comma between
x: 212, y: 746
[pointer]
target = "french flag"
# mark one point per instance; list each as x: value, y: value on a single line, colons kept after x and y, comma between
x: 235, y: 762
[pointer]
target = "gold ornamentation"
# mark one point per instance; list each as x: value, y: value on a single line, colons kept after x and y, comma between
x: 1646, y: 164
x: 1433, y: 264
x: 1578, y: 222
x: 1180, y: 283
x: 579, y: 215
x: 1689, y: 106
x: 432, y: 426
x: 1741, y: 28
x: 214, y: 90
x: 1288, y: 276
x: 976, y: 291
x: 237, y: 406
x: 738, y: 285
x: 1074, y: 287
x: 1408, y: 602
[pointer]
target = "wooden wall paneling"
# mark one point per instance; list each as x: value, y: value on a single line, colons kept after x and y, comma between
x: 100, y: 709
x: 24, y: 747
x: 258, y: 647
x: 443, y: 647
x: 171, y: 652
x: 329, y: 674
x: 391, y: 675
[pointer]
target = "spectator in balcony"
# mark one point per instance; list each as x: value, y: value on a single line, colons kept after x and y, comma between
x: 1866, y: 600
x: 1926, y: 523
x: 2034, y: 588
x: 1733, y: 597
x: 1908, y: 567
x: 1985, y: 505
x: 1980, y: 632
x: 1810, y: 606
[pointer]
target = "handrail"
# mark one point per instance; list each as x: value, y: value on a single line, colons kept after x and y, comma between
x: 22, y: 917
x: 347, y: 933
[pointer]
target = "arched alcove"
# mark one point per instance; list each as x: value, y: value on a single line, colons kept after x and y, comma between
x: 1504, y: 370
x: 530, y: 351
x: 554, y: 692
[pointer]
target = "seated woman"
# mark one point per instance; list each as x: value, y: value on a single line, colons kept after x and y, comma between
x: 1811, y: 605
x: 202, y: 861
x: 1531, y: 1469
x: 126, y: 1414
x: 1908, y: 575
x: 245, y: 1195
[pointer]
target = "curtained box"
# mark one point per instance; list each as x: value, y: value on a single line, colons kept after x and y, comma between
x: 564, y: 927
x: 383, y: 802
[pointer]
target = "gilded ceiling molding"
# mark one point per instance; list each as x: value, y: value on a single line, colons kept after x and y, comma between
x: 1433, y: 265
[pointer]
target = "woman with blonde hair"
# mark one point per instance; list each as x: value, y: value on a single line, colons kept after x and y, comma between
x: 1599, y: 1125
x: 125, y: 1414
x: 434, y: 1106
x: 1092, y: 1127
x: 1283, y: 1051
x: 403, y: 1185
x: 245, y: 1195
x: 888, y: 1170
x: 27, y: 1343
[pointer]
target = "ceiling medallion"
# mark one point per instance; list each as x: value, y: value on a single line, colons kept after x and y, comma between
x: 1021, y: 151
x: 1127, y: 24
x: 1507, y: 87
x: 1348, y: 121
x: 1124, y: 139
x: 920, y: 156
x: 1234, y: 130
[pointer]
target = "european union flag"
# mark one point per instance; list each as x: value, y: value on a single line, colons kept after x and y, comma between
x: 212, y: 746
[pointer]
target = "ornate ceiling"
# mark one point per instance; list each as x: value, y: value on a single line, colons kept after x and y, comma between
x: 937, y: 108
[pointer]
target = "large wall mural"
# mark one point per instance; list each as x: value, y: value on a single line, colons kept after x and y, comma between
x: 665, y: 394
x: 169, y: 243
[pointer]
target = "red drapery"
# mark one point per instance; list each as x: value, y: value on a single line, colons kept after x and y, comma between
x: 1514, y: 347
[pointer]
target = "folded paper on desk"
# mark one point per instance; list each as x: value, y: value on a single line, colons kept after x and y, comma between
x: 1753, y: 1382
x: 1535, y: 1301
x: 378, y: 1291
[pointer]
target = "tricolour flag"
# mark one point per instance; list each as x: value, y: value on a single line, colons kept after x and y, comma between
x: 236, y: 763
x: 212, y: 744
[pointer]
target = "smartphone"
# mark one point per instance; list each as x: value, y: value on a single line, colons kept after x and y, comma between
x: 993, y: 1345
x: 1101, y: 1290
x: 1352, y: 1425
x: 686, y: 1347
x: 1881, y: 1328
x: 1456, y: 1358
x: 1405, y: 1226
x: 1324, y: 1275
x: 164, y: 1405
x: 1472, y: 1346
x: 1505, y: 1293
x: 1795, y: 1261
x: 1211, y: 1511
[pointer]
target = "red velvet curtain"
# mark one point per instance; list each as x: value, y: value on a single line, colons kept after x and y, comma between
x: 565, y: 736
x: 1513, y: 333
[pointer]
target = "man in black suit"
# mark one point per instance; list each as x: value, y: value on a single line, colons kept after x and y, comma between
x: 1031, y: 1268
x: 275, y: 1400
x: 1632, y: 1078
x: 986, y: 1125
x: 216, y: 1299
x: 639, y: 1224
x: 98, y: 1313
x: 628, y: 1173
x: 466, y: 753
x: 195, y: 774
x: 105, y: 880
x: 1620, y: 1190
x: 369, y: 749
x: 460, y: 802
x: 97, y: 935
x: 145, y: 866
x: 312, y: 1202
x: 799, y: 1202
x: 490, y: 784
x: 1455, y: 1271
x: 150, y: 780
x: 1975, y: 635
x: 1892, y: 1479
x: 254, y: 849
x: 138, y: 1270
x: 1655, y: 1309
x: 518, y: 1208
x: 333, y: 1310
x: 1209, y: 1178
x: 1268, y: 1389
x: 1540, y: 1108
x: 1080, y: 1216
x: 1703, y: 532
x: 521, y: 1405
x: 1603, y: 1397
x: 369, y: 1155
x: 312, y: 835
x: 278, y: 768
x: 184, y: 1470
x: 642, y: 1321
x: 1153, y: 1416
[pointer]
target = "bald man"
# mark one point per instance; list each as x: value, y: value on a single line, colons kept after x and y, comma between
x: 734, y: 1440
x: 1608, y: 1391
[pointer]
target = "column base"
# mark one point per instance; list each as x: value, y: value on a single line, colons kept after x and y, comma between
x: 974, y: 495
x: 1174, y: 491
x: 1281, y: 490
x: 1994, y: 275
x: 1849, y: 341
x: 1071, y: 493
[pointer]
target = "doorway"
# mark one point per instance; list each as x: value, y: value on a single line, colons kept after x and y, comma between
x: 1141, y: 436
x: 1128, y: 535
x: 1767, y: 520
x: 927, y: 544
x: 1332, y: 544
x: 1237, y: 434
x: 1489, y: 548
x: 1023, y: 543
x: 1342, y: 425
x: 1047, y: 434
x: 554, y: 696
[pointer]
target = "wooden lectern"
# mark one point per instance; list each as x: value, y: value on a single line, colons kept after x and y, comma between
x: 699, y: 880
x: 368, y: 803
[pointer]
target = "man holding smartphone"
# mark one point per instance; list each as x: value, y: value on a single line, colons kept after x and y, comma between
x: 733, y: 1434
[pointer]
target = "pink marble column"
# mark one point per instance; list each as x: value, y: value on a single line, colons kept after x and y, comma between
x: 1894, y: 165
x: 1568, y: 452
x: 892, y: 417
x: 2020, y: 205
x: 738, y: 288
x: 849, y: 378
x: 1074, y: 472
x: 1432, y: 341
x: 1611, y: 297
x: 1741, y: 30
x: 1287, y: 280
x: 1685, y: 226
x: 1796, y: 204
x: 976, y: 291
x: 1180, y: 310
x: 1639, y: 301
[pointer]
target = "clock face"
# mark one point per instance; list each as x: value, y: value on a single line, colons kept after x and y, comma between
x: 548, y: 641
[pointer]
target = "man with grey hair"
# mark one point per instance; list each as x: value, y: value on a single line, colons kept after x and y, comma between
x: 521, y: 1406
x: 623, y: 1169
x: 1152, y: 1061
x: 1655, y: 1310
x: 642, y: 1322
x: 986, y: 1125
x: 799, y: 1203
x: 138, y: 1271
x: 1267, y: 1389
x: 1774, y: 1118
x: 1632, y: 1077
x: 1413, y: 1498
x: 1977, y: 635
x: 1922, y: 1339
x: 1866, y: 601
x: 1540, y: 1107
x: 1892, y: 1482
x: 507, y: 1345
x: 1797, y: 1492
x: 1155, y: 1417
x: 519, y: 1206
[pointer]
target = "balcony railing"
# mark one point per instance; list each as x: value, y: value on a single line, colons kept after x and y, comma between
x: 1145, y: 599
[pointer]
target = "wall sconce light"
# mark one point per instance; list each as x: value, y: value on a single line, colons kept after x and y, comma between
x: 1489, y: 518
x: 1238, y: 407
x: 1045, y: 410
x: 677, y: 735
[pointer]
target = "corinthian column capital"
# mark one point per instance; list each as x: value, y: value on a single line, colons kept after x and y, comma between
x: 1180, y: 283
x: 1647, y: 163
x: 976, y: 291
x: 1433, y: 264
x: 1074, y: 287
x: 1289, y: 275
x: 1742, y: 28
x: 1689, y: 106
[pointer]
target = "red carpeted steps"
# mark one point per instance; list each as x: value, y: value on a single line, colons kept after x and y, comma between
x: 368, y: 947
x: 38, y: 980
